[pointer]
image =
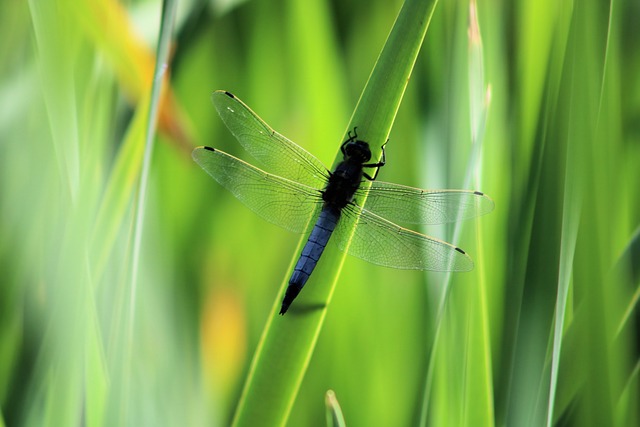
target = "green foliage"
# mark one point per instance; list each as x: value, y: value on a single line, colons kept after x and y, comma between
x: 536, y: 106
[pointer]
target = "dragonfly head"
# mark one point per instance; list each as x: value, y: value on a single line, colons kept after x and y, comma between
x: 357, y: 150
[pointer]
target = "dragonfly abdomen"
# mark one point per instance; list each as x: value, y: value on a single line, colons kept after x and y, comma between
x: 310, y: 255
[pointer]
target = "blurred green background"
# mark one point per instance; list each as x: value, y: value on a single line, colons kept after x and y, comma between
x: 95, y: 332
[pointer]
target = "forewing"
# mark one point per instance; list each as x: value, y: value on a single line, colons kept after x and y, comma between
x: 410, y: 205
x: 274, y: 152
x: 280, y: 201
x: 382, y: 242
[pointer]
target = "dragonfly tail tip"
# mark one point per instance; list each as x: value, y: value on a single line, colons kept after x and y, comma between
x: 290, y: 294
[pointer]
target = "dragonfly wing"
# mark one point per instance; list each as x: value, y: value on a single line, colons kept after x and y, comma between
x: 416, y: 206
x: 277, y: 154
x: 280, y: 201
x: 382, y: 242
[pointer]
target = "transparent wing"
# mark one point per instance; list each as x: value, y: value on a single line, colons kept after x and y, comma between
x: 276, y: 154
x: 382, y: 242
x: 285, y: 203
x: 416, y: 206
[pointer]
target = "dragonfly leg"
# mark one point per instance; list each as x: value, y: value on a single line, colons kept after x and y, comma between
x: 350, y: 139
x: 378, y: 165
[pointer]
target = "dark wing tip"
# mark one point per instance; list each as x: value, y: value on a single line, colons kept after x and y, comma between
x: 196, y: 153
x: 488, y: 204
x: 467, y: 265
x: 203, y: 147
x: 218, y: 93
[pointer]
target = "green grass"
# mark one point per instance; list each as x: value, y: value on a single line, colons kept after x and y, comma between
x: 541, y: 332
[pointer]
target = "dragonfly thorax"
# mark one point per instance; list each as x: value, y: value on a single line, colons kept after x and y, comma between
x: 343, y: 183
x: 345, y: 180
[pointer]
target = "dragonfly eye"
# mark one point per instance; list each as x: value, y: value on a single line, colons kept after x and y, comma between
x: 358, y: 150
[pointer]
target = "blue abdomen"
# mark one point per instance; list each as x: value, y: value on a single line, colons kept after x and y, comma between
x: 310, y: 255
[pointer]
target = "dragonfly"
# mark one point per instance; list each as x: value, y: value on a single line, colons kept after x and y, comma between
x: 294, y: 190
